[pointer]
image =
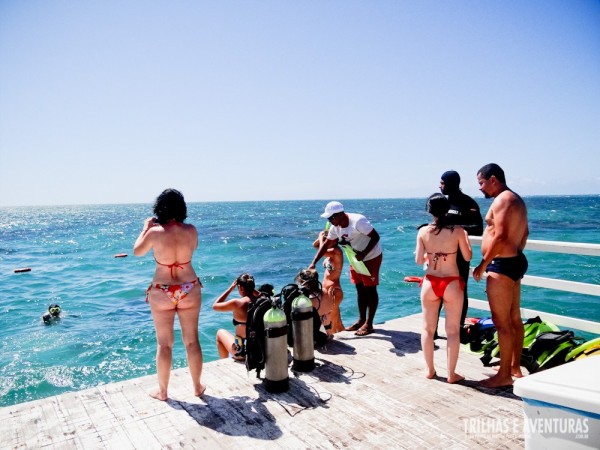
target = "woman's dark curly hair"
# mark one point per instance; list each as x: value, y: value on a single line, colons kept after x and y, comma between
x: 170, y: 205
x: 438, y: 206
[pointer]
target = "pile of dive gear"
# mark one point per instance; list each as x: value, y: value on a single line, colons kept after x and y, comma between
x: 544, y: 344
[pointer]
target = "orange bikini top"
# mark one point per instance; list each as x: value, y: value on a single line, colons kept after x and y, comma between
x: 173, y: 266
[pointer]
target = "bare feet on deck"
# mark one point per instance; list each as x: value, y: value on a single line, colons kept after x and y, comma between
x: 455, y: 378
x: 199, y: 391
x: 158, y: 395
x: 515, y: 372
x: 337, y: 328
x: 496, y: 381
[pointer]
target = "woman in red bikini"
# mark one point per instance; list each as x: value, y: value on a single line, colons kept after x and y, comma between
x: 437, y: 244
x: 175, y: 289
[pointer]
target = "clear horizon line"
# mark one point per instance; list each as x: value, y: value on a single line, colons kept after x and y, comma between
x: 275, y: 200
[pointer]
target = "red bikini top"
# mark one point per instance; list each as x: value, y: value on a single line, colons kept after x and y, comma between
x: 175, y: 265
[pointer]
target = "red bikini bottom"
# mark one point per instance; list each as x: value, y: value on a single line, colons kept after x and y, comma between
x: 439, y: 284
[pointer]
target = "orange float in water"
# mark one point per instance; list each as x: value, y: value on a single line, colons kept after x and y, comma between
x: 23, y: 269
x: 413, y: 279
x: 120, y: 255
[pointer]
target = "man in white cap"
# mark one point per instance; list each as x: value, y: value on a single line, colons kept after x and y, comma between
x: 357, y: 231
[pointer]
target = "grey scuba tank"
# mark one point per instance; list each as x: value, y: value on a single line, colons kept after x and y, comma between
x: 302, y: 329
x: 276, y: 356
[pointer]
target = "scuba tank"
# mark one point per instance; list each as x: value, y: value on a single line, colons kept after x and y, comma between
x: 302, y: 330
x: 276, y: 357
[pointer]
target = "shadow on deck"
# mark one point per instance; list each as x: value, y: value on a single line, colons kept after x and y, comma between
x: 365, y: 392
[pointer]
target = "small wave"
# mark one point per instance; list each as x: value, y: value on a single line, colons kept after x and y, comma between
x: 59, y: 376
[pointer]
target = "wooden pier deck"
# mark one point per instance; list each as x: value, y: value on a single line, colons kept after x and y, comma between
x: 365, y: 393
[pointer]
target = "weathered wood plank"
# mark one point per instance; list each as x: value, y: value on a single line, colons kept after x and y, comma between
x: 367, y: 392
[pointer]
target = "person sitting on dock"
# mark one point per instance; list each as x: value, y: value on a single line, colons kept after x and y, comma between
x: 437, y: 246
x: 227, y: 343
x: 332, y: 289
x: 308, y: 282
x: 502, y: 247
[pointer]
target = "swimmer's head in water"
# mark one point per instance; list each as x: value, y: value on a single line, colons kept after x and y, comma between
x: 54, y: 310
x: 450, y: 182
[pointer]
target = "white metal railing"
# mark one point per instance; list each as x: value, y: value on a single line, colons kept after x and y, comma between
x: 551, y: 283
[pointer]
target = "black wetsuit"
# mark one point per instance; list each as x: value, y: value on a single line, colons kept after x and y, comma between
x: 464, y: 211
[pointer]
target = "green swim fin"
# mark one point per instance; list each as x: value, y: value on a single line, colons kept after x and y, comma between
x: 357, y: 265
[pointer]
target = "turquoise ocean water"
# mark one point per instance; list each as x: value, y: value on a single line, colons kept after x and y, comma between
x: 106, y: 333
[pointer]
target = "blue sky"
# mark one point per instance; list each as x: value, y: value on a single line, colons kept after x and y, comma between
x: 113, y: 101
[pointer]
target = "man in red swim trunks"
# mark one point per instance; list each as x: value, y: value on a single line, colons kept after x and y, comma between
x: 502, y: 249
x: 355, y: 230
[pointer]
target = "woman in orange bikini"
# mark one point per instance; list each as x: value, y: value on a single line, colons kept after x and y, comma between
x: 332, y: 289
x: 437, y: 244
x: 175, y: 289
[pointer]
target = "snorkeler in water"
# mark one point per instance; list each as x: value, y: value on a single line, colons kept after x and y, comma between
x: 52, y: 315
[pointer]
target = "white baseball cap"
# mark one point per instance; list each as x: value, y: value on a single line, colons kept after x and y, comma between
x: 332, y: 208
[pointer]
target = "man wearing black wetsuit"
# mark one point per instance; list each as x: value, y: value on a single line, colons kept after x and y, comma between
x: 464, y: 211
